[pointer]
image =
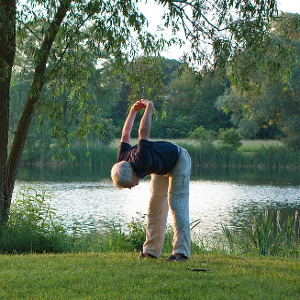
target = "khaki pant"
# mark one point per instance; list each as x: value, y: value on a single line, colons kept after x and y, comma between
x: 170, y: 191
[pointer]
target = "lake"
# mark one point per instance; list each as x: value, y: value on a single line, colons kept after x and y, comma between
x: 87, y: 196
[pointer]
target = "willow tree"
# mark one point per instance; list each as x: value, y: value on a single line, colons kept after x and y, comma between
x: 52, y: 34
x: 274, y: 98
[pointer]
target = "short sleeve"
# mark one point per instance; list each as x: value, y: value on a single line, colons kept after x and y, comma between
x: 123, y: 148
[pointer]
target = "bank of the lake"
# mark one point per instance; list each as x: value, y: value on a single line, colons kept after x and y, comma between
x: 124, y: 276
x: 254, y: 154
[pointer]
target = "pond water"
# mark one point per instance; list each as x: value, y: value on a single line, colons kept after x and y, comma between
x: 218, y: 197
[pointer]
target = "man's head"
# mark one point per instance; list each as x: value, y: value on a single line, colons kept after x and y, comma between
x: 123, y: 175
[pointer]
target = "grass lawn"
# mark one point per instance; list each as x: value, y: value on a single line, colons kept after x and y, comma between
x: 124, y: 276
x: 254, y: 145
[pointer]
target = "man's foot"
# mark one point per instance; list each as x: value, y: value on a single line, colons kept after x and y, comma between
x: 177, y: 257
x: 145, y: 255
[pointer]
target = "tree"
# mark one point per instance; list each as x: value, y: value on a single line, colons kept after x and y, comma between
x: 195, y: 101
x: 60, y: 29
x: 273, y: 100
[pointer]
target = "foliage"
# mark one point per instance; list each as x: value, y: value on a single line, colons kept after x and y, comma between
x: 230, y: 139
x: 268, y: 235
x: 194, y: 97
x: 272, y: 100
x: 110, y: 92
x: 33, y: 225
x: 225, y: 31
x: 206, y: 137
x: 146, y: 77
x: 137, y: 232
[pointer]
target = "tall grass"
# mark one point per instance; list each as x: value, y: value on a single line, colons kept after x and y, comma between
x: 207, y: 156
x: 268, y: 158
x: 276, y: 158
x: 267, y: 235
x: 210, y: 156
x: 96, y: 154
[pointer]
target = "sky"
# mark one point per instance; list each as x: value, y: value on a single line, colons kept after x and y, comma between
x: 292, y: 6
x: 153, y: 13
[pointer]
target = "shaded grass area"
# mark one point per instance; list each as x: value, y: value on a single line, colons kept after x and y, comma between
x: 124, y: 276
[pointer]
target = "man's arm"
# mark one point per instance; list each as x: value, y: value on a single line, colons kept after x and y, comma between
x: 130, y: 120
x: 145, y: 124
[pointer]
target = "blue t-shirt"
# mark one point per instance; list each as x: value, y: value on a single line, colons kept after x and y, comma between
x: 149, y: 157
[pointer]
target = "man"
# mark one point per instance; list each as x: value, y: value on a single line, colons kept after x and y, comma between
x: 170, y: 167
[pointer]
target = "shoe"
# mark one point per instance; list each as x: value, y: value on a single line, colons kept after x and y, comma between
x: 177, y: 257
x: 145, y: 255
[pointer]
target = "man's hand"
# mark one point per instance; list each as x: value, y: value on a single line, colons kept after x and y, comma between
x: 141, y: 104
x: 146, y: 102
x: 138, y: 105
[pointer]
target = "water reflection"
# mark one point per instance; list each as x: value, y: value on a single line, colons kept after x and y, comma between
x: 75, y: 173
x: 248, y: 176
x: 89, y: 197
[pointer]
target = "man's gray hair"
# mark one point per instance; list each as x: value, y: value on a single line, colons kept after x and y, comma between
x: 121, y: 174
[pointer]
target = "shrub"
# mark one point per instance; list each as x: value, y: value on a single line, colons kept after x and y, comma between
x: 33, y: 226
x: 137, y: 233
x: 230, y: 139
x: 205, y: 136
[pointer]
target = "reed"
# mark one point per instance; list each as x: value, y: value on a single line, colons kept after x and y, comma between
x: 96, y: 154
x: 209, y: 156
x: 268, y: 158
x: 267, y: 236
x: 276, y: 158
x: 263, y: 155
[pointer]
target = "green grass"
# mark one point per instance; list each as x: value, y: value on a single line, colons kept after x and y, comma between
x: 124, y: 276
x: 250, y: 146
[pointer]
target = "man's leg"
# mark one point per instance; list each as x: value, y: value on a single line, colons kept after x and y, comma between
x: 179, y: 203
x: 157, y: 215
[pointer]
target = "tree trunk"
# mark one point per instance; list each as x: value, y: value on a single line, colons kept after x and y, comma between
x: 7, y: 55
x: 33, y: 98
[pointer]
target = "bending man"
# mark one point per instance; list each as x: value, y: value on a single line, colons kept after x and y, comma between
x: 170, y: 167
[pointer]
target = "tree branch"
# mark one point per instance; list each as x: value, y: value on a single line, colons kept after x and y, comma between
x: 27, y: 27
